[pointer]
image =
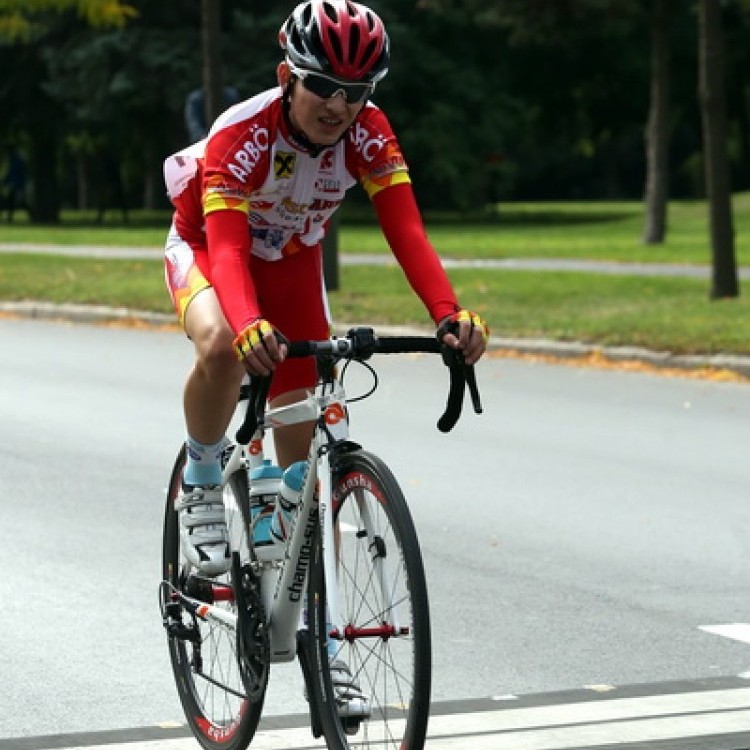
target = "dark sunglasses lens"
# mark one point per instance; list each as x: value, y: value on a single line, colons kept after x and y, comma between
x: 325, y: 88
x: 357, y: 92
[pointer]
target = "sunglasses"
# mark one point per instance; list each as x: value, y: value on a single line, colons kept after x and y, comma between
x: 326, y: 87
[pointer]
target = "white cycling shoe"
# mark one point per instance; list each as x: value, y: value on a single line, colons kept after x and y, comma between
x: 351, y: 702
x: 203, y: 529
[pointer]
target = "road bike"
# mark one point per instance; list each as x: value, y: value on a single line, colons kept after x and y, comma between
x: 347, y: 583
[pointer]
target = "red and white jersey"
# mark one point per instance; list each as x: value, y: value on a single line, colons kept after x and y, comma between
x: 250, y: 165
x: 250, y: 162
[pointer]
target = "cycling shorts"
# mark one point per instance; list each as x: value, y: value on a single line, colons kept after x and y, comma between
x: 290, y: 291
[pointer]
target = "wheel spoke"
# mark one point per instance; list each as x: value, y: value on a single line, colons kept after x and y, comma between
x: 212, y: 692
x: 382, y: 598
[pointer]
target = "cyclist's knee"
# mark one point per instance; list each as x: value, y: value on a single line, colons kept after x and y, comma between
x: 212, y: 338
x: 216, y: 355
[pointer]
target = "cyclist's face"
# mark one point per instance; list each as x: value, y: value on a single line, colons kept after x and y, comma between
x: 323, y: 121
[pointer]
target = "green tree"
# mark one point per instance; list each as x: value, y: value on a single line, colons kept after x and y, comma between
x: 211, y: 58
x: 27, y: 29
x: 724, y: 282
x: 658, y: 125
x: 22, y: 20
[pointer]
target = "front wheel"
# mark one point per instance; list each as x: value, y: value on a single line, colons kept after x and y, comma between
x: 383, y: 628
x: 207, y: 657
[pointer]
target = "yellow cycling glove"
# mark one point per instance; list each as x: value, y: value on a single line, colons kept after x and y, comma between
x: 252, y: 337
x: 450, y: 324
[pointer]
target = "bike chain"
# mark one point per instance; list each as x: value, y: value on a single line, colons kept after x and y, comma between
x: 253, y: 644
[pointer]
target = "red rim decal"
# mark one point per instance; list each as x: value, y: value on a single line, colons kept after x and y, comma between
x: 353, y: 480
x: 217, y: 733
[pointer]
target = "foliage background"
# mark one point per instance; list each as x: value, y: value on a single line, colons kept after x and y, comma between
x: 493, y: 100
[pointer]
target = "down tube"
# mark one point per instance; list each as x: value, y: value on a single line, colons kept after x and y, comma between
x: 291, y: 587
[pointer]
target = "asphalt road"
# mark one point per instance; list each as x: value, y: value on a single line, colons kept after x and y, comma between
x: 587, y: 533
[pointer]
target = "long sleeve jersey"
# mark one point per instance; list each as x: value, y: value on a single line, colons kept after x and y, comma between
x: 250, y: 187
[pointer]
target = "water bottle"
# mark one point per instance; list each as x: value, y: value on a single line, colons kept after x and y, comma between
x: 287, y: 500
x: 264, y: 489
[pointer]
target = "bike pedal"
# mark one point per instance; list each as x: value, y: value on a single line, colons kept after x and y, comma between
x: 182, y: 632
x: 172, y: 610
x: 351, y: 726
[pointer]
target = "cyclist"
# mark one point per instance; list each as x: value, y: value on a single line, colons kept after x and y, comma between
x: 243, y: 256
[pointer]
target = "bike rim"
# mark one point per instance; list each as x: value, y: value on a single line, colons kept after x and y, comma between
x: 385, y: 638
x: 209, y: 680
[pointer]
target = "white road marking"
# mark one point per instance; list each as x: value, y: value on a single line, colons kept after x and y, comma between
x: 555, y: 727
x: 738, y: 631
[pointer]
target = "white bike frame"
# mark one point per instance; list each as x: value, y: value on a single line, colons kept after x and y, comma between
x: 284, y: 581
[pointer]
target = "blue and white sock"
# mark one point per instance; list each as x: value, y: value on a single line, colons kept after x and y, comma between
x: 203, y: 463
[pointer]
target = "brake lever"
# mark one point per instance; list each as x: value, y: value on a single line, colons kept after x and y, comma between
x: 259, y: 387
x: 471, y: 381
x: 461, y: 375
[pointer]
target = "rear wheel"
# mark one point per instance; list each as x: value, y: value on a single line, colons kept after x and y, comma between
x: 384, y: 631
x: 205, y: 655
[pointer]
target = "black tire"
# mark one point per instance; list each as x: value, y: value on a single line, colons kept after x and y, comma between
x: 394, y: 670
x: 220, y: 715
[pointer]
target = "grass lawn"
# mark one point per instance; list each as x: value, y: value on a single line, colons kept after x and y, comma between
x: 658, y: 313
x: 598, y: 230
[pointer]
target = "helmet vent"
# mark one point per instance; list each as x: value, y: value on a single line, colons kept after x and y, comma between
x: 330, y: 11
x: 315, y: 40
x: 371, y: 47
x: 354, y: 45
x: 335, y: 42
x: 296, y: 40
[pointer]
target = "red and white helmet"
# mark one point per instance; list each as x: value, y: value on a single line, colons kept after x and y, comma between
x: 338, y: 37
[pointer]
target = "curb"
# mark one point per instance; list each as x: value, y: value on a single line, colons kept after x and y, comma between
x: 565, y: 350
x: 79, y: 313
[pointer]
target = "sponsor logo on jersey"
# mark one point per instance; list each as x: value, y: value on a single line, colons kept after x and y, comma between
x: 247, y: 157
x: 283, y: 164
x: 326, y: 161
x: 322, y: 205
x: 270, y: 237
x: 394, y: 163
x: 290, y: 207
x: 366, y: 145
x: 327, y: 185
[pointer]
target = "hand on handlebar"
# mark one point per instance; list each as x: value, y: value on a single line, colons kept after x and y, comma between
x: 260, y: 348
x: 466, y: 331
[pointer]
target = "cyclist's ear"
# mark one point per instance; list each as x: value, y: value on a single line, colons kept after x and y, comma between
x: 283, y: 74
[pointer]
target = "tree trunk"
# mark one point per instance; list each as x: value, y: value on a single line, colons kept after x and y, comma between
x: 82, y: 181
x: 657, y: 128
x: 724, y: 281
x: 211, y: 41
x: 44, y: 206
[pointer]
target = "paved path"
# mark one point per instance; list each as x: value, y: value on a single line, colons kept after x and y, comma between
x: 372, y: 259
